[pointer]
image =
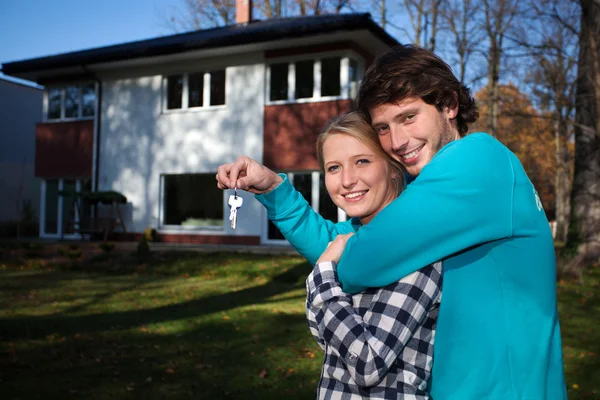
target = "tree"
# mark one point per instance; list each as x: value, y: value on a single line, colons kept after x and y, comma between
x: 529, y: 135
x: 586, y: 180
x: 459, y: 18
x: 202, y: 14
x: 551, y: 38
x: 424, y: 16
x: 499, y: 16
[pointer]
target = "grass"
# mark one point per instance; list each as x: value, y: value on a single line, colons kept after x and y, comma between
x: 86, y: 323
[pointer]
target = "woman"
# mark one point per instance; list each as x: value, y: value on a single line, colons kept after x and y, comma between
x: 379, y: 343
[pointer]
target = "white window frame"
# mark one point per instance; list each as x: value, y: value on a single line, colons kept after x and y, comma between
x: 315, y: 194
x: 317, y: 57
x: 175, y: 229
x: 59, y: 229
x: 62, y: 118
x: 185, y: 100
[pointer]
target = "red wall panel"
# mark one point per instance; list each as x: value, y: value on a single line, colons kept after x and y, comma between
x: 291, y: 132
x: 64, y: 149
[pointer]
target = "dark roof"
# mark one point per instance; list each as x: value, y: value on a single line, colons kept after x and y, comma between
x: 254, y: 32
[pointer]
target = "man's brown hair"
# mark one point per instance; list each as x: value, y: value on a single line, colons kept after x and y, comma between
x: 410, y: 71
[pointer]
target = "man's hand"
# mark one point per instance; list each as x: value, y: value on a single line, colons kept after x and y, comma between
x: 248, y: 175
x: 334, y: 249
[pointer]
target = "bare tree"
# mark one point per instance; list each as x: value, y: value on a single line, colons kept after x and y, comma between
x: 551, y: 39
x: 200, y: 14
x: 424, y: 17
x: 459, y: 18
x: 317, y: 7
x: 269, y: 8
x: 586, y: 179
x: 498, y: 20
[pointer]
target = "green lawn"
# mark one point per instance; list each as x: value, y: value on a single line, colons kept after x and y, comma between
x: 84, y: 324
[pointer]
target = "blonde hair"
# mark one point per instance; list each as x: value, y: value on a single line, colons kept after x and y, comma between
x: 355, y: 125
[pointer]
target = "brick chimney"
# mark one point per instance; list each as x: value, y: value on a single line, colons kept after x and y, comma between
x: 243, y: 11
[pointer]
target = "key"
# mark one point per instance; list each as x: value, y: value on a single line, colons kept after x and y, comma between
x: 235, y: 202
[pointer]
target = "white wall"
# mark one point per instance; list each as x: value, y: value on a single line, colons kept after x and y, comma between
x: 139, y: 142
x: 20, y: 110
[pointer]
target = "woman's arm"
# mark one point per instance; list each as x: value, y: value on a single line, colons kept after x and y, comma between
x: 306, y: 230
x: 370, y: 345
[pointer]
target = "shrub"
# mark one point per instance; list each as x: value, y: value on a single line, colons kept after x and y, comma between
x: 106, y: 247
x: 143, y: 250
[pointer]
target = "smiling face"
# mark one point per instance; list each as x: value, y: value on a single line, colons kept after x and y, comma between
x: 412, y: 131
x: 357, y: 179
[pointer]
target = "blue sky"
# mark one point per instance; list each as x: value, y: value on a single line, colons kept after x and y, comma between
x: 37, y: 28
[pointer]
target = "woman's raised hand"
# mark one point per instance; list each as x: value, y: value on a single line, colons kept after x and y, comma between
x: 335, y: 248
x: 247, y: 174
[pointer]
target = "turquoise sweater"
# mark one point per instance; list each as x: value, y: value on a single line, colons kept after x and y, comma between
x: 473, y: 207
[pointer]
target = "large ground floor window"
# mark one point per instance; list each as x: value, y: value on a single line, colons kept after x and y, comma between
x: 312, y: 186
x: 58, y: 214
x: 191, y: 201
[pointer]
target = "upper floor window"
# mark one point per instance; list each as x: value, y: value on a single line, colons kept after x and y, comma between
x: 71, y: 102
x: 313, y: 79
x: 194, y: 90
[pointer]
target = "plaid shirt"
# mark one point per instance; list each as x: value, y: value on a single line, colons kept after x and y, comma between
x: 379, y: 343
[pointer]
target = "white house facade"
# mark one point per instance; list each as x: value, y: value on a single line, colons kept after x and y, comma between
x: 153, y: 120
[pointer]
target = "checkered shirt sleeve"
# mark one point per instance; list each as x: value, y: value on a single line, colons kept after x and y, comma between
x: 369, y: 345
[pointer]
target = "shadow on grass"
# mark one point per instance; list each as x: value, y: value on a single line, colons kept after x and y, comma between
x: 259, y: 356
x: 220, y: 351
x: 37, y: 327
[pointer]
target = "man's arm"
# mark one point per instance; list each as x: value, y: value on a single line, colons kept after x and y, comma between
x: 462, y: 198
x: 369, y: 346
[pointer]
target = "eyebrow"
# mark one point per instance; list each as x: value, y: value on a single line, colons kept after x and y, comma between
x: 404, y: 113
x: 362, y: 155
x: 400, y: 115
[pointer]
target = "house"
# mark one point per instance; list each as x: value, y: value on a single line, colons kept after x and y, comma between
x: 20, y: 110
x: 153, y: 120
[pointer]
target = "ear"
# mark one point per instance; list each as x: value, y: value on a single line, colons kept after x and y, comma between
x: 452, y: 112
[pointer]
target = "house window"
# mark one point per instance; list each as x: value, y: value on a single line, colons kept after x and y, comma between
x: 174, y: 91
x: 195, y: 90
x: 217, y: 88
x: 311, y: 184
x: 305, y: 78
x: 353, y: 77
x: 330, y: 76
x: 312, y: 80
x: 88, y: 100
x: 279, y: 82
x: 54, y: 103
x: 191, y: 201
x: 71, y: 102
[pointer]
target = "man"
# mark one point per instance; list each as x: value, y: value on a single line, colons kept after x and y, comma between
x: 471, y: 205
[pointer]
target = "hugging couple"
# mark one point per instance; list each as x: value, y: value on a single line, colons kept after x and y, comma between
x: 442, y: 283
